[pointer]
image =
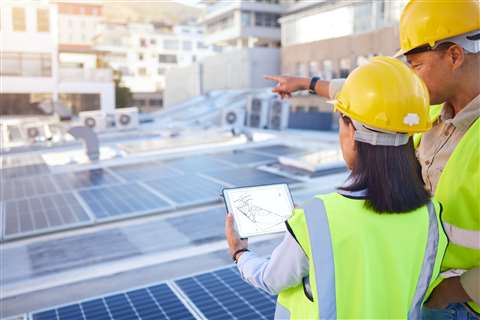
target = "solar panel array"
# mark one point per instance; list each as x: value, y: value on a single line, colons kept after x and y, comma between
x: 36, y: 201
x: 220, y: 294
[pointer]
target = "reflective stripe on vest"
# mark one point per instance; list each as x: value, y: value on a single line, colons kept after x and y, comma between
x: 322, y: 254
x: 427, y: 265
x: 462, y: 237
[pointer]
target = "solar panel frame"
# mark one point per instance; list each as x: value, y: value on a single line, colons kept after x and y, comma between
x: 137, y: 192
x: 41, y: 208
x: 13, y: 167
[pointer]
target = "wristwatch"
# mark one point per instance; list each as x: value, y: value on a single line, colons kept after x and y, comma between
x: 313, y: 83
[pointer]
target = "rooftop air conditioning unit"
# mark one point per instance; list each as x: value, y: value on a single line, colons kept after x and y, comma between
x: 96, y: 120
x: 126, y: 118
x: 257, y: 112
x: 278, y: 115
x: 233, y: 119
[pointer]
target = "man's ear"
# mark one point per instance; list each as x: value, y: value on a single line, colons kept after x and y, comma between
x: 456, y: 55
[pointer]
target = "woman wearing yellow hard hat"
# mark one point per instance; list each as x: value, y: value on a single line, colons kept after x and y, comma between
x: 371, y: 249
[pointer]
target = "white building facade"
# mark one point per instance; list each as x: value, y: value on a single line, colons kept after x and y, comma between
x: 31, y: 74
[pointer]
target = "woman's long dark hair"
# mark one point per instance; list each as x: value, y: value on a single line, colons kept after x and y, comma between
x: 392, y: 176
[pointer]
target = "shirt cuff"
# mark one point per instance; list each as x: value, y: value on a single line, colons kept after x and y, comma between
x: 470, y: 282
x: 334, y: 87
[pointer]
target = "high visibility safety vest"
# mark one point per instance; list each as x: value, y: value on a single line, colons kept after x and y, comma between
x: 363, y: 264
x: 458, y: 190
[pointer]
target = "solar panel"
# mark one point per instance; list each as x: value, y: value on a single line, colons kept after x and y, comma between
x: 211, y: 220
x: 239, y: 157
x: 156, y: 302
x: 276, y: 150
x: 145, y: 171
x: 22, y: 166
x: 223, y: 294
x: 187, y: 190
x: 117, y: 201
x: 84, y: 179
x: 40, y: 214
x: 195, y: 164
x: 241, y: 177
x: 220, y: 294
x: 12, y: 189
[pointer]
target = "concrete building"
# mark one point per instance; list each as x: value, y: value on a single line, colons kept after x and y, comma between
x: 250, y: 34
x: 244, y: 24
x: 330, y: 38
x: 143, y: 53
x: 33, y: 79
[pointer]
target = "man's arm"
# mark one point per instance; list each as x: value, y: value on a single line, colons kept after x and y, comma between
x: 456, y: 290
x: 286, y: 85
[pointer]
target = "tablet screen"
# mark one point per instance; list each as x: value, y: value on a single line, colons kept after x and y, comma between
x: 259, y: 210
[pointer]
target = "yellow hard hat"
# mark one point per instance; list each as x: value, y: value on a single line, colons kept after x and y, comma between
x: 424, y: 22
x: 385, y: 94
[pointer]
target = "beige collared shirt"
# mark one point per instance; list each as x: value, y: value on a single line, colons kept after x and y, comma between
x: 436, y: 147
x: 438, y: 143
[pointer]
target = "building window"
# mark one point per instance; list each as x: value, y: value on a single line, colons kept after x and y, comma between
x: 312, y: 68
x: 246, y: 18
x: 143, y: 43
x: 201, y: 45
x: 345, y: 67
x: 300, y: 69
x: 142, y: 71
x: 187, y: 45
x: 43, y: 20
x: 153, y: 41
x: 26, y: 64
x: 140, y: 56
x: 156, y: 102
x: 167, y: 58
x: 170, y: 44
x: 269, y: 20
x: 327, y: 70
x: 18, y: 15
x: 161, y: 71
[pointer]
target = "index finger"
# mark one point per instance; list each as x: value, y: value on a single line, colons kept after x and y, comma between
x: 273, y: 78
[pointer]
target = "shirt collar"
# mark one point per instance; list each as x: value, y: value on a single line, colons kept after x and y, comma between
x: 464, y: 119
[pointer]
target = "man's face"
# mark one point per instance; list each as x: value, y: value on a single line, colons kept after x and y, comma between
x: 435, y: 71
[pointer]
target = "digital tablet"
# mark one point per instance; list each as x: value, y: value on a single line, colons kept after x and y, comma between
x: 259, y: 210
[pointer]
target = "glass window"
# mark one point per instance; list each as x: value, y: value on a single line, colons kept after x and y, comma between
x: 11, y: 64
x: 167, y: 58
x: 201, y: 45
x: 18, y: 15
x: 187, y: 45
x: 143, y: 43
x: 153, y: 41
x: 345, y: 67
x: 43, y: 20
x: 327, y: 69
x: 142, y: 71
x: 161, y: 71
x: 140, y: 56
x: 32, y: 65
x: 312, y: 68
x: 170, y: 44
x: 246, y: 18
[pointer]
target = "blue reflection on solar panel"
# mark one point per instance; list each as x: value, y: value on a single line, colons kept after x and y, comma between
x: 156, y: 302
x: 121, y: 200
x: 248, y: 177
x: 276, y: 150
x: 145, y: 171
x: 223, y: 294
x: 25, y: 187
x: 239, y: 157
x: 43, y: 214
x: 84, y: 179
x: 188, y: 189
x: 195, y: 164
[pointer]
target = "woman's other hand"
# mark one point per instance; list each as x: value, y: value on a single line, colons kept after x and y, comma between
x: 233, y: 239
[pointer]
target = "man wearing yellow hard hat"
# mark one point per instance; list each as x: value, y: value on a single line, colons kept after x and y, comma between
x: 441, y: 42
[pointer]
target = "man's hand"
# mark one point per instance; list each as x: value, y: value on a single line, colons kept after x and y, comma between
x: 448, y: 291
x: 233, y: 239
x: 286, y: 85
